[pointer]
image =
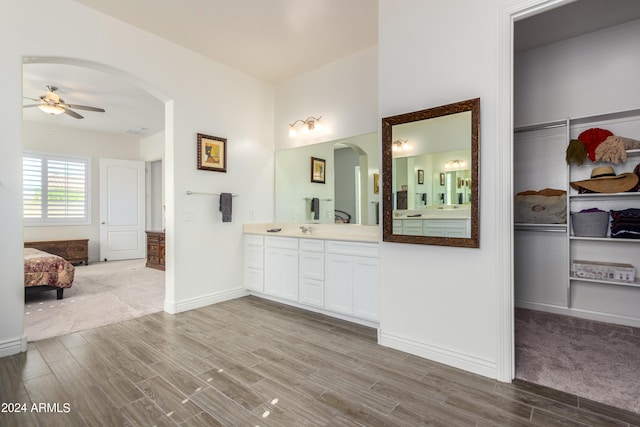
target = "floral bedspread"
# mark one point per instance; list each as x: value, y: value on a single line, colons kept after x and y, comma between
x: 43, y: 268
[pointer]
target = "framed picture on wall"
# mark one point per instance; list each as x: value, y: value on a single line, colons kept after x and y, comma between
x: 318, y: 170
x: 420, y: 176
x: 376, y: 183
x: 211, y: 153
x: 441, y: 179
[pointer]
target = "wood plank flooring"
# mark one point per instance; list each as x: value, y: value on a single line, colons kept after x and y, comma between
x: 251, y: 362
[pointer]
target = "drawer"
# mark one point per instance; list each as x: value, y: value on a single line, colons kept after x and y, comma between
x: 353, y: 248
x: 312, y: 245
x: 152, y: 239
x: 253, y: 240
x: 281, y: 242
x: 412, y: 223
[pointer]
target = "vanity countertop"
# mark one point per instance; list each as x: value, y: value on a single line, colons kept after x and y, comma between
x: 348, y: 232
x: 434, y: 213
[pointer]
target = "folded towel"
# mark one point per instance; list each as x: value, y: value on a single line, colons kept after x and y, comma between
x: 225, y: 206
x: 315, y: 207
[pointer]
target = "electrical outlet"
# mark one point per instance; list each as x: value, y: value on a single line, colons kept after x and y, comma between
x: 252, y: 214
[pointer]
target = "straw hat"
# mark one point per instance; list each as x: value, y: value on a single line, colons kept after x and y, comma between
x: 604, y: 180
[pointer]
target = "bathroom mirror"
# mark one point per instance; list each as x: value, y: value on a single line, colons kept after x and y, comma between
x: 430, y: 161
x: 349, y: 193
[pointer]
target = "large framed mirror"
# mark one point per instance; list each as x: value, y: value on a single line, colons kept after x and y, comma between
x: 430, y: 161
x: 348, y: 194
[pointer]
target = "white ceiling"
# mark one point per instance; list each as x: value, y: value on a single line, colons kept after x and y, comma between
x: 272, y: 40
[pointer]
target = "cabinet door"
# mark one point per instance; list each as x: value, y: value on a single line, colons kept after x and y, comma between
x: 365, y: 288
x: 339, y: 284
x: 281, y: 273
x: 253, y: 279
x: 311, y: 292
x: 312, y: 265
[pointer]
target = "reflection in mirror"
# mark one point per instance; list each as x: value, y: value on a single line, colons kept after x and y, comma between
x: 348, y: 195
x: 430, y: 172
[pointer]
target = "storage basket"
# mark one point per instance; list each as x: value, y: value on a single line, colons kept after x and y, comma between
x: 590, y: 224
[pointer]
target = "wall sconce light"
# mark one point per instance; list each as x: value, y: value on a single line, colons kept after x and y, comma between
x: 307, y: 125
x: 455, y: 164
x: 400, y: 145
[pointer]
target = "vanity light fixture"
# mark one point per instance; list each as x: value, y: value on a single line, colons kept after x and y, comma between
x: 455, y: 164
x: 400, y: 145
x: 307, y: 125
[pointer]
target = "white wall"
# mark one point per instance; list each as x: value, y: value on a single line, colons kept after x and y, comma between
x: 441, y: 302
x: 582, y: 76
x: 344, y: 93
x: 75, y: 142
x: 204, y: 262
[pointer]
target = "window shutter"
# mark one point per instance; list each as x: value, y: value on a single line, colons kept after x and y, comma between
x: 66, y: 189
x: 32, y: 187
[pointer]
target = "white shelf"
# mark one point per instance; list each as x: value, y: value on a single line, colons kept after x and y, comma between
x: 604, y: 239
x: 521, y: 226
x: 635, y: 284
x: 596, y: 196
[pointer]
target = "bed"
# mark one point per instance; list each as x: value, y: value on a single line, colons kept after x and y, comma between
x: 45, y: 271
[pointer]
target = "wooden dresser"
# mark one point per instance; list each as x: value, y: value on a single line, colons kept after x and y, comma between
x: 155, y: 249
x: 74, y: 251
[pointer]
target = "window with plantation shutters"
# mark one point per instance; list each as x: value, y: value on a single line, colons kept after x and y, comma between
x: 55, y: 190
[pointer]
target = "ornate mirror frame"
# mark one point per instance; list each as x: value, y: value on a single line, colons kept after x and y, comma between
x: 472, y: 105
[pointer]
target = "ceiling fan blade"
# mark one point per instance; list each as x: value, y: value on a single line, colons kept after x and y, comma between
x: 33, y: 99
x: 72, y: 113
x: 84, y: 107
x: 31, y: 105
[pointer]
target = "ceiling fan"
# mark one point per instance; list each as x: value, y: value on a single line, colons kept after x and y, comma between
x: 51, y: 103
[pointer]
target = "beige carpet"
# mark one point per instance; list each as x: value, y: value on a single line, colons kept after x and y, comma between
x: 102, y: 293
x: 594, y: 360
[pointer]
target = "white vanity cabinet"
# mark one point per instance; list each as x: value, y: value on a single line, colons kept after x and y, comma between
x: 447, y: 228
x: 281, y: 267
x: 332, y: 277
x: 433, y: 227
x: 351, y: 285
x: 311, y: 284
x: 254, y: 262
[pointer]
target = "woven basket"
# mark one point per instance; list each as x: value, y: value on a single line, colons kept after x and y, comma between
x: 590, y: 224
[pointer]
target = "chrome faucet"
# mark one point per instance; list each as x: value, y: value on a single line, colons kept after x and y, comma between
x: 305, y: 229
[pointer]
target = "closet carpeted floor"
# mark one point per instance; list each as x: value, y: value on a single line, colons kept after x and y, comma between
x: 595, y: 360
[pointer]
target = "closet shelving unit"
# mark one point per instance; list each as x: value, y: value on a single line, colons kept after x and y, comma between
x: 604, y: 249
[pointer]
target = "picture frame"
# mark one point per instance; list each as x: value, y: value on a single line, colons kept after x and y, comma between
x: 376, y: 183
x: 420, y: 176
x: 441, y: 178
x: 211, y: 153
x: 318, y: 170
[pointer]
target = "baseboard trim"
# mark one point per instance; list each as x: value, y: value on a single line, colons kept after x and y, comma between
x: 581, y: 313
x: 13, y: 346
x: 203, y: 301
x: 363, y: 322
x: 458, y: 360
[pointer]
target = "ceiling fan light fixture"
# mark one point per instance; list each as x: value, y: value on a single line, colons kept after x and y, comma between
x: 51, y: 109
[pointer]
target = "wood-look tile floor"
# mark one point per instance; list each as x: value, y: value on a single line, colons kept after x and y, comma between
x: 251, y: 362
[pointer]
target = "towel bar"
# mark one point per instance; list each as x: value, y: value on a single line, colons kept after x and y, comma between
x: 189, y: 193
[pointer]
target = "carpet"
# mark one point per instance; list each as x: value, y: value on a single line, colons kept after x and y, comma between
x: 595, y: 360
x: 102, y: 293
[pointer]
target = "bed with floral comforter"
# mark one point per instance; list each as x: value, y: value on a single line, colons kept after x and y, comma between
x: 43, y: 271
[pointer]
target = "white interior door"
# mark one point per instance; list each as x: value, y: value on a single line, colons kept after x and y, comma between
x: 122, y: 209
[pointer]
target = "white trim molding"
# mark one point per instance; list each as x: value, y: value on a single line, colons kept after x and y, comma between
x: 174, y: 307
x: 456, y: 359
x: 505, y: 353
x: 13, y: 346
